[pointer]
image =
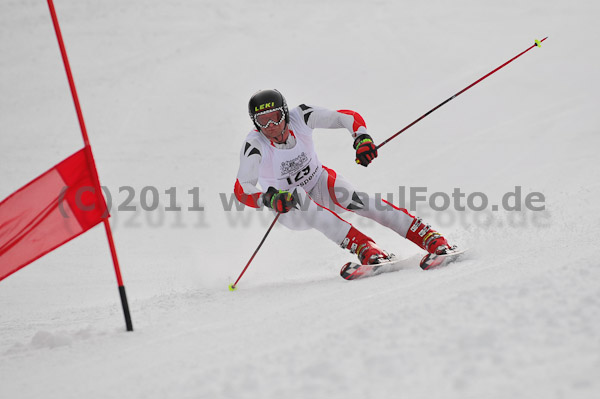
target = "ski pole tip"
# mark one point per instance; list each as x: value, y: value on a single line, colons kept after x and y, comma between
x: 232, y: 287
x: 538, y: 42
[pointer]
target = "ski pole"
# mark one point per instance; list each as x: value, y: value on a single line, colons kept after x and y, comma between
x: 537, y: 43
x: 232, y: 287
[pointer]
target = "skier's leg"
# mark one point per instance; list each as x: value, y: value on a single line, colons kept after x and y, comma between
x: 343, y: 194
x: 308, y: 214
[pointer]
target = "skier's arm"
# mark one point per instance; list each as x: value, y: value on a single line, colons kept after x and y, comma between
x: 245, y: 186
x: 318, y: 117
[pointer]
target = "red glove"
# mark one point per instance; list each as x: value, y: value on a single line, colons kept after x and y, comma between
x: 366, y: 151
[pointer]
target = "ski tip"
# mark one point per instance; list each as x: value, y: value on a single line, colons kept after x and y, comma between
x: 232, y: 287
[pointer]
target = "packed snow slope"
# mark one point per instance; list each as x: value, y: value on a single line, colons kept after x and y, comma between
x: 164, y: 87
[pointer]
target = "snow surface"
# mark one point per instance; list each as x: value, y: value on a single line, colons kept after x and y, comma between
x: 164, y: 87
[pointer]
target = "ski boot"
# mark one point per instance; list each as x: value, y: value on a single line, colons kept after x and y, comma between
x: 368, y: 252
x: 431, y: 241
x: 426, y: 238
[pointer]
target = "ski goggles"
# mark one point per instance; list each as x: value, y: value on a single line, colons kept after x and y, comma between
x: 265, y: 118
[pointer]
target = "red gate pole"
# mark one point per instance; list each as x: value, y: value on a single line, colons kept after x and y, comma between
x: 91, y: 166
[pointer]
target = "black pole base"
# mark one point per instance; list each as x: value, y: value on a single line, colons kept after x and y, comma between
x: 128, y: 322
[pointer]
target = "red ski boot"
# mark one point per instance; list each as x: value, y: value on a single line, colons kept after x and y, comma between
x: 432, y: 242
x: 427, y: 238
x: 368, y: 252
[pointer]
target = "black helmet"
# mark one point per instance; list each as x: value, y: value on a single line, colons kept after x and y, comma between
x: 265, y: 101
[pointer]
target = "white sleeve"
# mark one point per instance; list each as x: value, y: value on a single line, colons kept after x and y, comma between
x: 319, y: 117
x: 247, y: 177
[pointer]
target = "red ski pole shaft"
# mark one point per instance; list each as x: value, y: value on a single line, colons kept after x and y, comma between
x: 537, y: 43
x: 233, y: 286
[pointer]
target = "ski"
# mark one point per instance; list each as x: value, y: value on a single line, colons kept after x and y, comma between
x: 430, y: 261
x: 354, y: 271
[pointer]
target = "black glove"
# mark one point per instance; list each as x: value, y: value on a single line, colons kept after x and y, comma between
x: 366, y: 151
x: 279, y: 200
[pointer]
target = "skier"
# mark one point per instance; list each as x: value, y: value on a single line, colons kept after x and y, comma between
x: 279, y: 154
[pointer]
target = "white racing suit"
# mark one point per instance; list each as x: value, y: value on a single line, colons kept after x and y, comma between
x: 322, y: 194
